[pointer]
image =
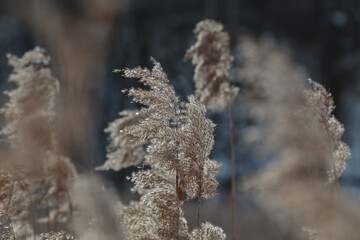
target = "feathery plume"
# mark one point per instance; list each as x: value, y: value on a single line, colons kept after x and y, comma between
x: 60, y: 174
x: 15, y: 200
x: 211, y: 55
x: 180, y: 140
x: 123, y: 150
x: 161, y: 129
x: 208, y: 232
x: 196, y: 142
x: 323, y: 105
x: 7, y: 231
x: 29, y: 113
x: 57, y: 236
x: 31, y: 136
x: 292, y: 189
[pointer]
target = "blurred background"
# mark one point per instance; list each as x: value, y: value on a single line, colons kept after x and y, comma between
x: 87, y: 39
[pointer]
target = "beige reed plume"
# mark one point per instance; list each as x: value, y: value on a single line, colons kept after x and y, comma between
x: 293, y: 188
x: 179, y: 141
x: 123, y: 151
x: 211, y: 56
x: 322, y: 104
x: 38, y: 171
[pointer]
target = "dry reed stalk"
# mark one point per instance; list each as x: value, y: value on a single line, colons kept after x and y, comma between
x: 180, y: 140
x: 211, y: 56
x: 233, y: 171
x: 41, y: 174
x: 293, y: 189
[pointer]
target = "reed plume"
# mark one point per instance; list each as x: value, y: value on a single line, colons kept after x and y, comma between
x: 57, y: 236
x: 211, y: 57
x: 293, y: 188
x: 29, y: 113
x: 180, y: 140
x: 123, y: 151
x: 37, y: 169
x: 322, y: 104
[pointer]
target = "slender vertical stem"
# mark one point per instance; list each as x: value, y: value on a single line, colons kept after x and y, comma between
x: 233, y: 169
x: 177, y: 195
x: 199, y: 204
x: 198, y: 213
x: 198, y: 219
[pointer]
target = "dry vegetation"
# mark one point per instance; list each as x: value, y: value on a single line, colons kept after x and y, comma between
x: 43, y: 197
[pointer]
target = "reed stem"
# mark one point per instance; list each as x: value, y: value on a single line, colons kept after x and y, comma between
x: 233, y: 169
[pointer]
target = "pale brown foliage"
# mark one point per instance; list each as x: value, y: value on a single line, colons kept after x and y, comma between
x: 208, y: 231
x: 57, y: 236
x: 36, y: 168
x: 293, y: 188
x: 7, y: 231
x: 123, y: 151
x: 196, y: 142
x: 98, y: 212
x: 180, y: 140
x: 29, y: 113
x: 16, y: 198
x: 323, y: 105
x: 211, y: 55
x: 60, y: 174
x: 161, y: 127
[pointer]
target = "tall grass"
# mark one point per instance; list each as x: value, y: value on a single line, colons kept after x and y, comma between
x: 42, y: 195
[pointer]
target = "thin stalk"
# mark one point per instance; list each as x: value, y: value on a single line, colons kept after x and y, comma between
x: 198, y: 213
x: 198, y: 220
x: 199, y: 203
x: 7, y: 209
x: 177, y: 194
x: 233, y: 173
